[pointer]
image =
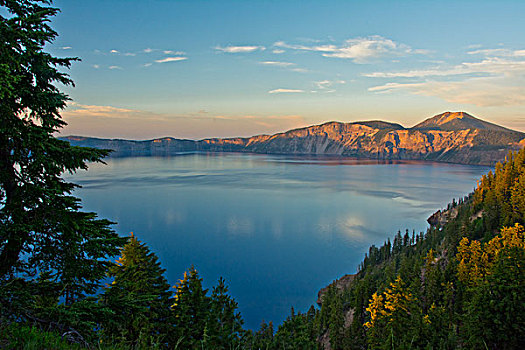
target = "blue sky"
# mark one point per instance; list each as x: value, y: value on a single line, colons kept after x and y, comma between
x: 195, y: 69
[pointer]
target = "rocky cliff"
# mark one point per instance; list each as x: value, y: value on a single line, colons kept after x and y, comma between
x: 455, y: 137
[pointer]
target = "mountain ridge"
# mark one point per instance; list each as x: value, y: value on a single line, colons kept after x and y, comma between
x: 454, y: 137
x: 454, y: 121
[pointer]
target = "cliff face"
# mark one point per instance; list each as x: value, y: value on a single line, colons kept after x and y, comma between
x: 448, y: 137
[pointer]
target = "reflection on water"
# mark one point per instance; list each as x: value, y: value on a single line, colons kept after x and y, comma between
x: 277, y: 228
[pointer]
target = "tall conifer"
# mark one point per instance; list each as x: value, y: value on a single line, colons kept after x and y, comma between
x: 42, y: 228
x: 224, y: 326
x: 139, y: 297
x: 191, y: 311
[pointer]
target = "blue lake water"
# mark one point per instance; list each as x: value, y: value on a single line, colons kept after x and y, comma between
x: 277, y: 228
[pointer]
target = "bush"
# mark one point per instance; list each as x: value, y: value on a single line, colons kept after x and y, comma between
x: 18, y: 336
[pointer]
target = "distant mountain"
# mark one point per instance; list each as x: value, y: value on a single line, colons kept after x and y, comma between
x: 455, y: 121
x: 454, y: 137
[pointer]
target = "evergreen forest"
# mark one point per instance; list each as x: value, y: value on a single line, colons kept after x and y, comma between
x: 459, y: 285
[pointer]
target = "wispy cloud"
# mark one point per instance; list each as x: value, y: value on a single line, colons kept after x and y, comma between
x: 117, y: 53
x: 171, y: 59
x: 325, y: 84
x: 288, y: 65
x: 359, y: 50
x: 498, y: 79
x: 94, y: 110
x: 487, y: 66
x: 278, y: 51
x: 280, y: 91
x: 498, y: 52
x: 318, y: 48
x: 66, y: 48
x: 96, y: 66
x: 240, y: 49
x: 165, y: 51
x: 170, y: 52
x: 483, y: 92
x: 175, y: 55
x: 277, y: 63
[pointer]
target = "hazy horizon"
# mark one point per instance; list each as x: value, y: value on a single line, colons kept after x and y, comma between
x: 245, y: 136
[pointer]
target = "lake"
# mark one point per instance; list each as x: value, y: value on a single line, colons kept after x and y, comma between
x: 277, y: 228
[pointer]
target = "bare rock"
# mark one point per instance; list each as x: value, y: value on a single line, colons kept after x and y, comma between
x: 340, y: 285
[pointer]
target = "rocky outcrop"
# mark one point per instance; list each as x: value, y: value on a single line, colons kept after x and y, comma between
x: 441, y: 217
x: 448, y: 137
x: 340, y: 285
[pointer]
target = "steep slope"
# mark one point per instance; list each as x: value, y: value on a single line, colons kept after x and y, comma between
x: 449, y: 137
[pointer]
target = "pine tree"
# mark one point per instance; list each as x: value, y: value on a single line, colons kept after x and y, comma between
x: 224, y: 324
x: 296, y: 332
x: 264, y: 337
x: 394, y: 318
x: 518, y: 200
x: 470, y: 269
x: 42, y: 229
x: 336, y: 323
x: 432, y: 280
x: 139, y: 297
x: 190, y: 311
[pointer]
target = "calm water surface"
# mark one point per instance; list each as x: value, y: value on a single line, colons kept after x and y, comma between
x: 276, y: 228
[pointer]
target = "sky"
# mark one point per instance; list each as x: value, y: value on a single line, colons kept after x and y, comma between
x: 197, y: 69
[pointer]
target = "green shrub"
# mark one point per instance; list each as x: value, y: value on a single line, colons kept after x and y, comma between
x: 17, y: 336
